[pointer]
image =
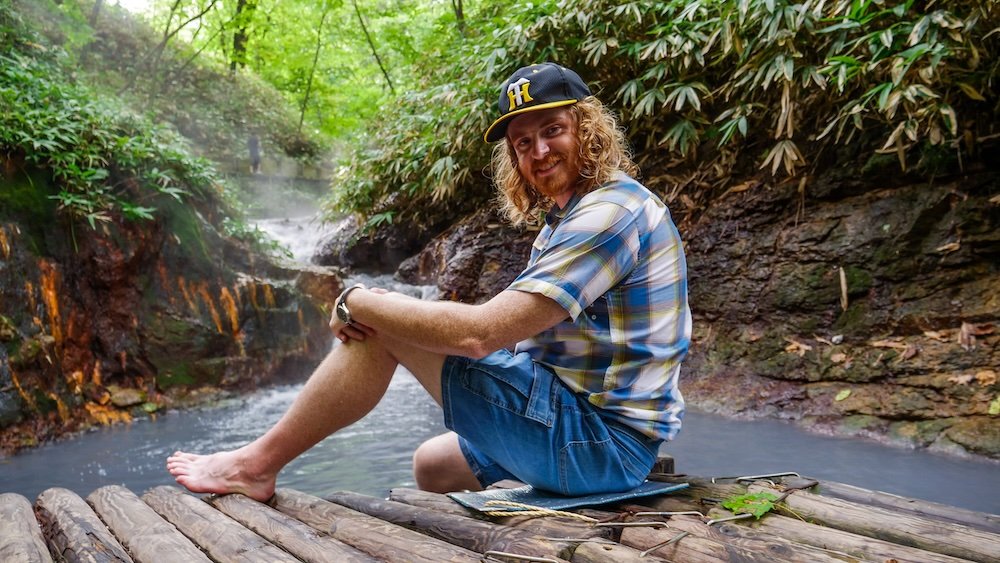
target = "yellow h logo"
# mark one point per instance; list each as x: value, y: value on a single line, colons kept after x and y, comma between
x: 517, y: 93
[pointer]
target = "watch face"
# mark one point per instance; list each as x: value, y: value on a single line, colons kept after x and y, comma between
x: 343, y: 314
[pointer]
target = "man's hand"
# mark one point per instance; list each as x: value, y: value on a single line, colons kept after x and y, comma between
x: 356, y: 330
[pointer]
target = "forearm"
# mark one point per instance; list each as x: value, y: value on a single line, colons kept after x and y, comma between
x: 452, y: 328
x: 443, y: 327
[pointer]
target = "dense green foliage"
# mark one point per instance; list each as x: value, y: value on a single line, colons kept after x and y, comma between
x: 711, y: 92
x: 171, y: 80
x: 337, y: 62
x: 104, y: 160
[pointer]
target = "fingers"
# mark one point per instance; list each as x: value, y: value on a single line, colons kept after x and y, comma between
x: 354, y: 332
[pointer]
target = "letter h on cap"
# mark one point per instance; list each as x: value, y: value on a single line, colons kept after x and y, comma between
x: 517, y: 93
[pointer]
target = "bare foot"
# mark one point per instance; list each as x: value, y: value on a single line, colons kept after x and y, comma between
x: 222, y: 473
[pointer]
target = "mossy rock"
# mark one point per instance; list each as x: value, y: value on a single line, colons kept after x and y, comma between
x: 920, y: 433
x: 977, y: 434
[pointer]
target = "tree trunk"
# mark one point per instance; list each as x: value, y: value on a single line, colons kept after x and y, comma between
x: 312, y: 70
x: 96, y: 12
x: 244, y: 17
x: 371, y: 44
x: 459, y: 15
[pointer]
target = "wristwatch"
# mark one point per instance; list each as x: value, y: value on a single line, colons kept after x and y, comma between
x: 343, y: 313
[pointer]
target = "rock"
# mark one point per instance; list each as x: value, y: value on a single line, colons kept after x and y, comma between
x: 379, y: 252
x: 978, y: 434
x: 472, y: 261
x: 758, y: 268
x: 323, y: 285
x: 157, y: 305
x: 126, y: 397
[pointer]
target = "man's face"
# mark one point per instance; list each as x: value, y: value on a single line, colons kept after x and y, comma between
x: 548, y: 151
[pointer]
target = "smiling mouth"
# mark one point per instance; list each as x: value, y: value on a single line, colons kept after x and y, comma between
x: 547, y: 166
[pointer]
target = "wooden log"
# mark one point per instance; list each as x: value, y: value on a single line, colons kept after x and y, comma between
x: 293, y: 536
x: 689, y: 548
x: 905, y: 529
x: 20, y: 537
x: 371, y: 535
x: 701, y: 494
x: 606, y: 553
x: 73, y: 531
x: 861, y: 547
x: 220, y: 536
x: 472, y: 534
x: 146, y: 536
x: 776, y: 548
x: 980, y: 520
x: 552, y: 526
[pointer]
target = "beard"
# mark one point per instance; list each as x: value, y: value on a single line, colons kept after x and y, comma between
x: 565, y: 176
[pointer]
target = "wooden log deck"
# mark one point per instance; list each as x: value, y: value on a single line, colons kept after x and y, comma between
x: 813, y: 522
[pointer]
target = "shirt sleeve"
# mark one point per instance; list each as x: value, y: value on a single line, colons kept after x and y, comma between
x: 594, y: 248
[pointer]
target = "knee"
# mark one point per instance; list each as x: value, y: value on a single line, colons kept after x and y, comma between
x: 440, y: 467
x: 428, y: 466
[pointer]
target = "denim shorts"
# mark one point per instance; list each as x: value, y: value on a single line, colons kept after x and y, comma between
x: 517, y: 420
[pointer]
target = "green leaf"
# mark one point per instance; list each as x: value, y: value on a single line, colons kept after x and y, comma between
x: 757, y: 504
x: 995, y: 406
x: 844, y: 393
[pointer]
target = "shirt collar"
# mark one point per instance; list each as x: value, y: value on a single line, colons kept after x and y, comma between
x: 556, y: 213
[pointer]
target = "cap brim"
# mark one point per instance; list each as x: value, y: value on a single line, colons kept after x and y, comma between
x: 498, y: 129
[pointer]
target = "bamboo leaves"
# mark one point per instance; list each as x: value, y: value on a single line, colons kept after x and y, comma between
x: 776, y: 79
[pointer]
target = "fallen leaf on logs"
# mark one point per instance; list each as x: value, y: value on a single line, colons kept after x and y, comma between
x: 964, y: 379
x: 838, y: 358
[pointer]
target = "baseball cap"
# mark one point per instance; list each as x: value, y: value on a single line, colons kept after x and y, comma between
x: 535, y: 87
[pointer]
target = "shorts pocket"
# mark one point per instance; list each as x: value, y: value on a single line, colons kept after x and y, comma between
x: 525, y: 390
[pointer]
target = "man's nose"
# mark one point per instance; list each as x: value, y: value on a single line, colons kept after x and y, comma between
x: 540, y: 149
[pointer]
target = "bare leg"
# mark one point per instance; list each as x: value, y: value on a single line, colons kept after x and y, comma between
x: 440, y: 467
x: 346, y: 386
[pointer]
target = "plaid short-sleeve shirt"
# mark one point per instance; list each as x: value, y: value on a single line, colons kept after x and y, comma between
x: 614, y: 260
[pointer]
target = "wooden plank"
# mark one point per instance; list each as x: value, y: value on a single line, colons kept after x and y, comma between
x: 472, y: 534
x: 932, y: 535
x: 371, y: 535
x: 288, y: 533
x: 217, y: 534
x: 862, y: 547
x: 980, y: 520
x: 73, y: 531
x: 689, y: 548
x: 551, y: 526
x: 777, y: 548
x: 20, y: 537
x: 607, y: 553
x: 145, y: 535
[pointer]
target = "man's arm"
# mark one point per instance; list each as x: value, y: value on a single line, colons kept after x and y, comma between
x: 456, y: 328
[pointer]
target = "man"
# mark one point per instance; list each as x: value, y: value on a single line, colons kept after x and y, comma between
x: 599, y: 317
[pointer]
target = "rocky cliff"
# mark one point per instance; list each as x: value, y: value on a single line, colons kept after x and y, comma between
x: 99, y: 325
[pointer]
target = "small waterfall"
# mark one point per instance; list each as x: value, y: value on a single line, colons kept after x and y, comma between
x: 301, y: 235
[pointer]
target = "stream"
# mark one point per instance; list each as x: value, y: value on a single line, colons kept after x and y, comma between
x: 374, y: 455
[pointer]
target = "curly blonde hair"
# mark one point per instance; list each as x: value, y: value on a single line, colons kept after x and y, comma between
x: 603, y: 152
